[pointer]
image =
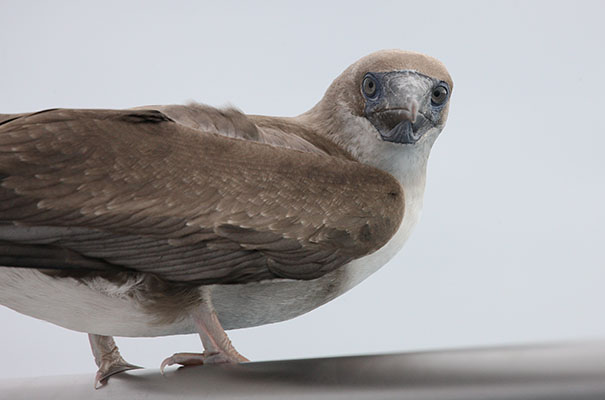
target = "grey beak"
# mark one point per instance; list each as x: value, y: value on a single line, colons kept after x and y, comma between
x: 403, y: 118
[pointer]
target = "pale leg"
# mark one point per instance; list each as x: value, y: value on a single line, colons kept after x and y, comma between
x: 217, y: 346
x: 107, y: 358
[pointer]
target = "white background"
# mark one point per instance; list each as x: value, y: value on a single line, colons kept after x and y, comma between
x: 510, y: 247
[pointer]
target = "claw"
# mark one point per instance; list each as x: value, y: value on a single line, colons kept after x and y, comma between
x: 166, y: 363
x: 184, y: 359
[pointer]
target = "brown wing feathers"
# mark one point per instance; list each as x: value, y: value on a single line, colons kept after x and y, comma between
x: 135, y: 190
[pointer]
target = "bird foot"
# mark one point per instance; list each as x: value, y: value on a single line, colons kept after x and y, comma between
x: 108, y: 359
x: 217, y: 346
x: 187, y: 359
x: 109, y: 368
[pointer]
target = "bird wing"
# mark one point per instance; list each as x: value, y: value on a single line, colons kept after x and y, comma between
x: 132, y: 190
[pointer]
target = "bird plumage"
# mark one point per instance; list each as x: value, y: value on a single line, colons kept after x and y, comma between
x: 207, y: 208
x: 146, y: 216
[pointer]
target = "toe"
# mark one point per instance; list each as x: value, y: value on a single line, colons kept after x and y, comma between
x: 184, y: 359
x: 105, y: 371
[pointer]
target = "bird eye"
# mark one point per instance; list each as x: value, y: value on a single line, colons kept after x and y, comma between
x: 369, y: 86
x: 439, y: 95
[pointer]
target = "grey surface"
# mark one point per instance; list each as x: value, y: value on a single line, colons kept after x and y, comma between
x: 553, y: 372
x: 509, y: 248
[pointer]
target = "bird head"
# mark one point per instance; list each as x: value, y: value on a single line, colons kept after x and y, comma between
x: 387, y: 104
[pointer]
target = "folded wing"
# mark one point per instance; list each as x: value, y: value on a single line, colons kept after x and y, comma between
x: 133, y: 190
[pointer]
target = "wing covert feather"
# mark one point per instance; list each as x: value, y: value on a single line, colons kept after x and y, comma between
x: 136, y: 190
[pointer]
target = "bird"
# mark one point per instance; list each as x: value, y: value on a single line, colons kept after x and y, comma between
x: 185, y: 219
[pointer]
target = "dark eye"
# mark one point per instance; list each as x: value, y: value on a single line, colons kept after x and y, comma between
x: 369, y: 86
x: 439, y: 95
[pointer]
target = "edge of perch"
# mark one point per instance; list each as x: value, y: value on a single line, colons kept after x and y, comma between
x: 564, y: 371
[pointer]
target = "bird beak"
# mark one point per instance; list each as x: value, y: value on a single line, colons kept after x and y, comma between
x: 395, y: 110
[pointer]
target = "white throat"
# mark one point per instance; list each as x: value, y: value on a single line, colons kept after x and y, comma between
x: 407, y: 163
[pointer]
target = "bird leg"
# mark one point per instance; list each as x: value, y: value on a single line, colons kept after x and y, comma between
x: 217, y: 346
x: 107, y: 358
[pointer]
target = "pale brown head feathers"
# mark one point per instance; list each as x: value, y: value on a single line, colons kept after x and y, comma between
x: 370, y: 128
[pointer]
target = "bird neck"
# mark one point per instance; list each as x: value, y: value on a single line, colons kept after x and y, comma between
x: 357, y: 136
x: 406, y: 162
